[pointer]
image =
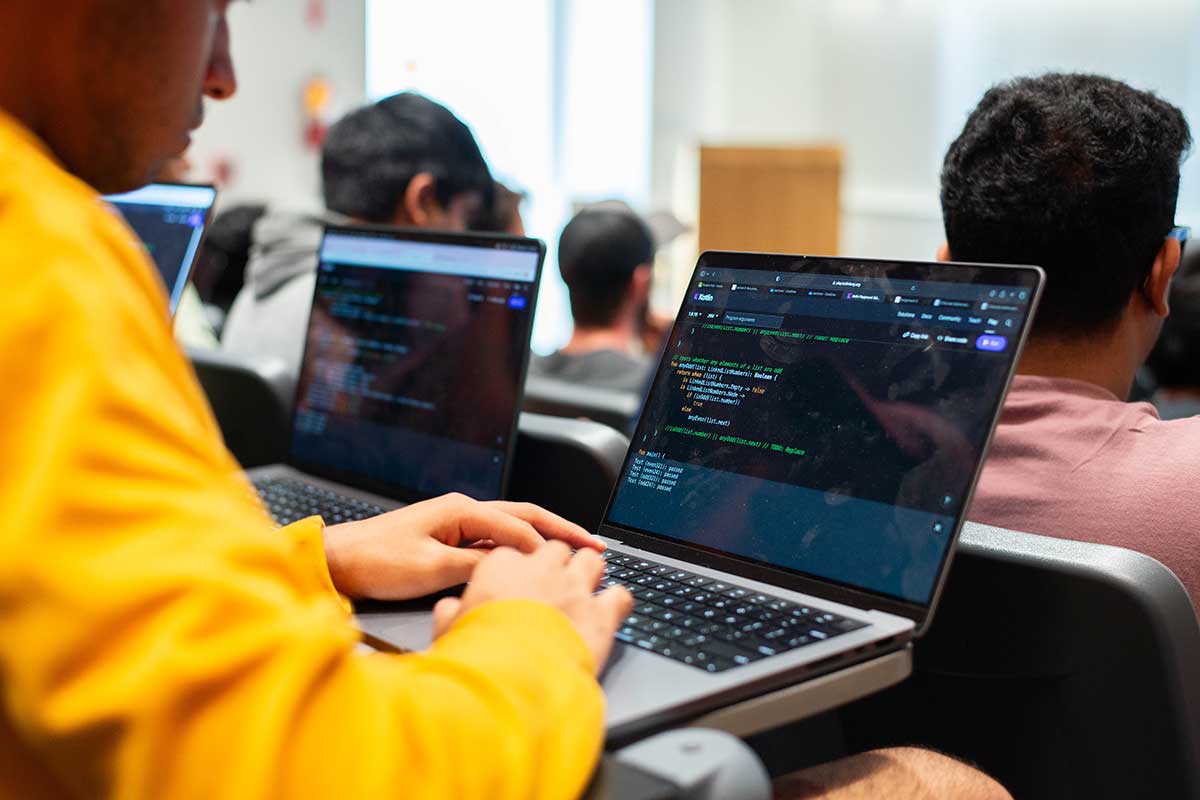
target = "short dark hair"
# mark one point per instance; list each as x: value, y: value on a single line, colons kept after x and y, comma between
x: 501, y: 214
x: 1077, y: 174
x: 372, y: 154
x: 1175, y: 360
x: 598, y: 252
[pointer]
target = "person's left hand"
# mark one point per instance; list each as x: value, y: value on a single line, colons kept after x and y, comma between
x: 435, y: 544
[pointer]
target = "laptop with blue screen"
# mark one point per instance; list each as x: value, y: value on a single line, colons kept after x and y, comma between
x: 799, y: 474
x: 410, y: 384
x: 169, y: 220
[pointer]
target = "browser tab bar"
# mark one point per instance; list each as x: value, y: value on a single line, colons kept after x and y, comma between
x: 438, y: 257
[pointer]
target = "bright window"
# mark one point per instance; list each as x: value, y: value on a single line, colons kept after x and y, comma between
x: 557, y: 93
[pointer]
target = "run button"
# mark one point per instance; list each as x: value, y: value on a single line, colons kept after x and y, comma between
x: 991, y: 343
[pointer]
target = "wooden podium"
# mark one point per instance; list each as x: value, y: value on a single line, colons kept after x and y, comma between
x: 773, y: 199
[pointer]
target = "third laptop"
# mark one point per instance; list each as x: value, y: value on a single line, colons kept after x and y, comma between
x: 410, y: 383
x: 169, y: 220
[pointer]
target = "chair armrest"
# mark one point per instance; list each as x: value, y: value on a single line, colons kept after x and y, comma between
x: 689, y: 764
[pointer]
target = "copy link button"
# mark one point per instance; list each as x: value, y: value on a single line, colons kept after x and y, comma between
x: 991, y: 342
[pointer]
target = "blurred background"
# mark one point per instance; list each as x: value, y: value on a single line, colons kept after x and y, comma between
x: 802, y: 125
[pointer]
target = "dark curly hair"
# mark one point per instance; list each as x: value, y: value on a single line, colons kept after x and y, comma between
x: 371, y: 154
x: 1077, y: 174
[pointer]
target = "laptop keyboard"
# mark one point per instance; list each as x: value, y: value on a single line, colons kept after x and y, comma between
x: 710, y: 624
x: 289, y: 500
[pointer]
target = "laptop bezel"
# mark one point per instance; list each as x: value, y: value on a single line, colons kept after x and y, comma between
x: 175, y: 293
x: 393, y: 491
x: 920, y: 614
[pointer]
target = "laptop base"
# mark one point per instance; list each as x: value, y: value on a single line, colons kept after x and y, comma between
x: 803, y: 700
x: 744, y: 718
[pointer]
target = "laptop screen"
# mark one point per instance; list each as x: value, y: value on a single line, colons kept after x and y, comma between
x: 415, y: 355
x: 169, y: 219
x: 825, y: 417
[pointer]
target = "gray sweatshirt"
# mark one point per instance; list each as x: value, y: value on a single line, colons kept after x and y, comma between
x: 269, y: 318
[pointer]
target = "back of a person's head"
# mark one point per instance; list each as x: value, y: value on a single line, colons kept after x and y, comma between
x: 1175, y: 360
x: 370, y: 156
x: 598, y: 251
x: 1077, y: 174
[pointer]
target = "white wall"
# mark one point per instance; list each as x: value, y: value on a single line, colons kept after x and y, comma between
x: 892, y: 81
x: 261, y: 129
x: 781, y: 71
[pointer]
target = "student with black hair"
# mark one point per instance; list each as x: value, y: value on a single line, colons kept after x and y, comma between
x: 405, y: 161
x: 605, y: 256
x: 1079, y: 174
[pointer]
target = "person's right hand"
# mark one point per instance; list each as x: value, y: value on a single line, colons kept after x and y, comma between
x: 549, y: 575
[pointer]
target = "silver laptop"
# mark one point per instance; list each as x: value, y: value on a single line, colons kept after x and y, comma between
x: 798, y: 476
x: 169, y: 220
x: 410, y: 383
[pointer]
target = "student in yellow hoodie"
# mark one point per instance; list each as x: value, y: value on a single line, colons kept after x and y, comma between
x: 159, y: 637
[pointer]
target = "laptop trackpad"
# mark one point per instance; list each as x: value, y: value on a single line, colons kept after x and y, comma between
x: 398, y: 626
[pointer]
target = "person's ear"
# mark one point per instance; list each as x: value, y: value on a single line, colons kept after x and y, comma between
x: 1157, y: 288
x: 943, y: 251
x: 639, y: 284
x: 419, y: 207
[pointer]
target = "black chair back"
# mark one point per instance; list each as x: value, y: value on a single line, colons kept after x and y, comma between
x: 557, y: 398
x: 568, y: 466
x: 1064, y: 669
x: 252, y: 403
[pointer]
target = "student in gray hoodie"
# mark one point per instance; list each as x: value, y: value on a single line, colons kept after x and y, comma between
x: 404, y: 161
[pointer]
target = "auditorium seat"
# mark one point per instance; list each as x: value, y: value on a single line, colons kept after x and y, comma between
x: 682, y: 764
x: 566, y: 465
x: 252, y: 401
x: 557, y: 398
x: 1064, y: 669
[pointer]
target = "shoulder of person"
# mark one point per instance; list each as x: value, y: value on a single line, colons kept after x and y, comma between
x: 1171, y: 445
x: 70, y: 241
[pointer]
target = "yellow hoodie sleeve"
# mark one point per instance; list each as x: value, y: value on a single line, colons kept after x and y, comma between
x: 159, y: 637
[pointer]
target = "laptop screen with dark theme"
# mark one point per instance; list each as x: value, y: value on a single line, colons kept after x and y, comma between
x: 169, y: 219
x: 415, y: 356
x: 826, y: 417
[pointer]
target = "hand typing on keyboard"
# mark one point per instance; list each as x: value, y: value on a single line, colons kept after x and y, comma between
x: 429, y: 546
x: 551, y: 575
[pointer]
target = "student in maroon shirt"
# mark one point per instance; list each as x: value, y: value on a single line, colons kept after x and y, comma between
x: 1079, y: 174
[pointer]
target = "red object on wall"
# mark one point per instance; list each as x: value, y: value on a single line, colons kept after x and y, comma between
x: 223, y: 170
x: 314, y: 13
x: 314, y: 134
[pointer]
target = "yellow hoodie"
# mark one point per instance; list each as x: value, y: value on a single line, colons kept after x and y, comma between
x: 159, y: 637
